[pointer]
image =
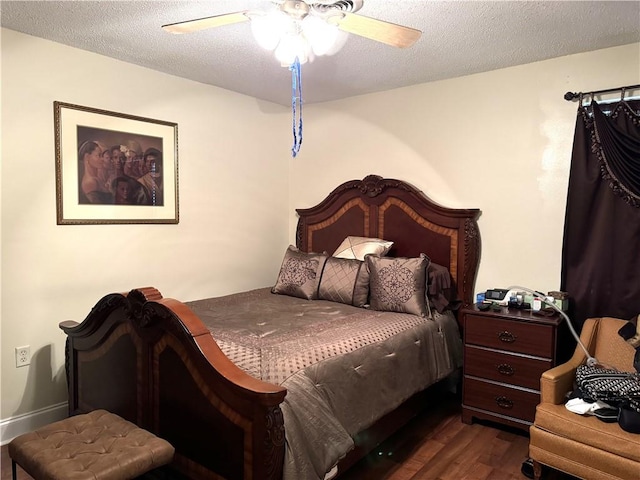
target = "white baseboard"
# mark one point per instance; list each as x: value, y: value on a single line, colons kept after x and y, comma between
x: 11, y: 427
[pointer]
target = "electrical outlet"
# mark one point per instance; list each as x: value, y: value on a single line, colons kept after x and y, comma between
x: 23, y: 356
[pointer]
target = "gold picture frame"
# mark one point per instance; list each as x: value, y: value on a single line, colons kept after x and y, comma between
x: 114, y: 168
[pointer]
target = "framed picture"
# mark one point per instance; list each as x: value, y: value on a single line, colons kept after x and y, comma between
x: 114, y: 168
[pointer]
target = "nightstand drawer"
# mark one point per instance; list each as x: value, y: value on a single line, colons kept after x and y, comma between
x: 500, y: 399
x: 515, y: 336
x: 504, y: 367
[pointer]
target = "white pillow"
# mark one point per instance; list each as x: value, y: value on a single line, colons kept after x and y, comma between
x: 358, y: 247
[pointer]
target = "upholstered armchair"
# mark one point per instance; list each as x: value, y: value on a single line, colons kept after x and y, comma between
x: 584, y: 446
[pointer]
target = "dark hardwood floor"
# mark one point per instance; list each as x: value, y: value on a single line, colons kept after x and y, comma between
x: 436, y: 445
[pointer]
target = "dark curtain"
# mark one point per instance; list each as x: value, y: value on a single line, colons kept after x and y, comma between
x: 601, y: 248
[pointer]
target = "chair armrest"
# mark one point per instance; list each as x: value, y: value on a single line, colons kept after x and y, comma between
x: 556, y: 382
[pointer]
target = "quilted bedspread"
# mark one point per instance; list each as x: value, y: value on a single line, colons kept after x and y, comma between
x: 343, y: 367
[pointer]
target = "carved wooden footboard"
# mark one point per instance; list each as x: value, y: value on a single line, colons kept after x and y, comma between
x: 153, y: 362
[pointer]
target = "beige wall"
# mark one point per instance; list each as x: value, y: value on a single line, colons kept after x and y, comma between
x: 498, y: 141
x: 233, y: 167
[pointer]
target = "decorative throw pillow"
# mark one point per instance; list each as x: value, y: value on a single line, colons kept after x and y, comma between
x: 345, y: 280
x: 438, y: 286
x: 300, y: 274
x: 398, y: 284
x: 359, y: 247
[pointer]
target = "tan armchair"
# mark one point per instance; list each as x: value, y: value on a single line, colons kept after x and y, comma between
x: 584, y: 446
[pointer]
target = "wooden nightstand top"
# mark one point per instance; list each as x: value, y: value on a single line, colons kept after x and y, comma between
x: 514, y: 314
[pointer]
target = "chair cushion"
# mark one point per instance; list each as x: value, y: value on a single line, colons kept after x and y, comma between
x: 588, y: 430
x: 578, y: 459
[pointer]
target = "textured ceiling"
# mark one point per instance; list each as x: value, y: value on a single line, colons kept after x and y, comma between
x: 459, y: 38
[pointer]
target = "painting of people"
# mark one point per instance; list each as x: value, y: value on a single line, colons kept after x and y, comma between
x: 119, y: 168
x: 114, y: 167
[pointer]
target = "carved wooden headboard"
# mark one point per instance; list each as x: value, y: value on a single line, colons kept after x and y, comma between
x: 395, y: 210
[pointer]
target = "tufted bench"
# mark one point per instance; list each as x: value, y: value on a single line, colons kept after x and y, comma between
x: 94, y: 446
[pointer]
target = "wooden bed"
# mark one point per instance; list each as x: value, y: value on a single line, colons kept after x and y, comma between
x: 152, y: 361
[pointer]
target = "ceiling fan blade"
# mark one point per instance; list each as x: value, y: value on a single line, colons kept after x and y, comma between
x: 207, y: 22
x: 378, y: 30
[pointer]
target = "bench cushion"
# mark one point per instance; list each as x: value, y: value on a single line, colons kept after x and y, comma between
x: 98, y: 446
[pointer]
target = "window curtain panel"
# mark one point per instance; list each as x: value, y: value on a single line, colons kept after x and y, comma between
x: 601, y: 245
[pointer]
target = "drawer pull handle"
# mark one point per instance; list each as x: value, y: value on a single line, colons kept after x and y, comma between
x: 507, y: 337
x: 504, y: 402
x: 506, y: 369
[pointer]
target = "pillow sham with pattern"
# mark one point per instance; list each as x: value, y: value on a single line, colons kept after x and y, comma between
x: 359, y: 247
x: 344, y: 280
x: 398, y: 284
x: 299, y: 274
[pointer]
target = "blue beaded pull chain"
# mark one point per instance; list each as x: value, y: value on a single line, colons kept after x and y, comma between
x: 296, y: 98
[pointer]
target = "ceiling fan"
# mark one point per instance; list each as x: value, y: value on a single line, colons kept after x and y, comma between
x: 299, y: 30
x: 316, y: 22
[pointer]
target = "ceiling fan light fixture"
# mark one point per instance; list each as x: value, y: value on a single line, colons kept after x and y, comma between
x: 293, y: 46
x: 267, y: 28
x: 321, y: 35
x: 290, y: 37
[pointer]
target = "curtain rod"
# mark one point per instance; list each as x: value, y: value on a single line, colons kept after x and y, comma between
x: 569, y: 96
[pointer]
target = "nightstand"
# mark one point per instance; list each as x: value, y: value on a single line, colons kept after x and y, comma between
x: 505, y: 353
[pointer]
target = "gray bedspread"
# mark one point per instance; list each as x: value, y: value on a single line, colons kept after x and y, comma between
x: 343, y: 367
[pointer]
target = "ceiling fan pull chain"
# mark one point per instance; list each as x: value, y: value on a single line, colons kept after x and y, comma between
x: 296, y: 97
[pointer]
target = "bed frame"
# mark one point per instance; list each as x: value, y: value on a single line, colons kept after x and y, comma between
x: 152, y: 361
